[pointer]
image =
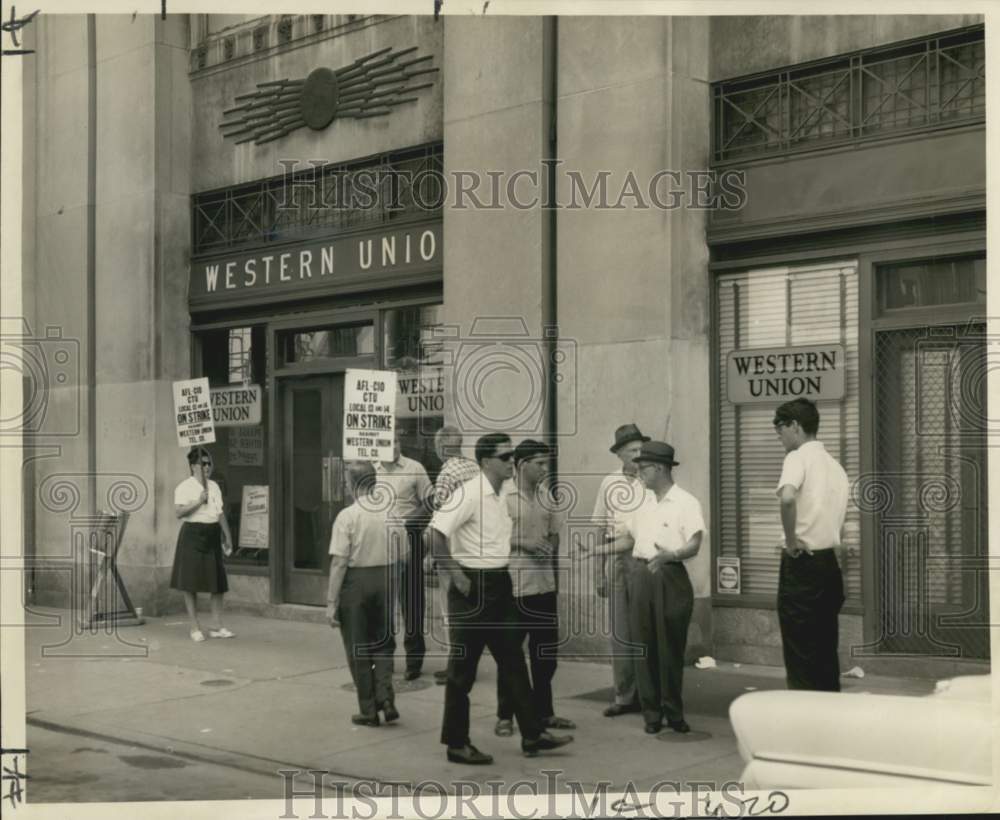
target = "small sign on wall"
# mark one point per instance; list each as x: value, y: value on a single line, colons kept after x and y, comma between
x: 774, y: 375
x: 369, y: 414
x: 254, y: 517
x: 236, y: 405
x: 728, y: 575
x: 246, y: 446
x: 420, y: 393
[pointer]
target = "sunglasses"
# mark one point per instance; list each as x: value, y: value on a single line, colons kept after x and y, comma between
x: 505, y: 456
x: 206, y: 464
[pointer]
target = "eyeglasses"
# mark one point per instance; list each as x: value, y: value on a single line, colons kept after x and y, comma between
x: 505, y: 456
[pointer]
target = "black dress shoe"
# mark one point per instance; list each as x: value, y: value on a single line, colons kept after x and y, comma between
x: 412, y: 674
x: 679, y: 726
x: 653, y: 728
x: 470, y: 755
x: 616, y: 709
x: 544, y: 742
x: 365, y: 720
x: 389, y: 711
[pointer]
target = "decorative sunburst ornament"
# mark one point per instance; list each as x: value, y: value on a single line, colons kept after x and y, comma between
x: 368, y: 87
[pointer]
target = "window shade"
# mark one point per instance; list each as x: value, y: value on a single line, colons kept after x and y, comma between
x: 781, y: 307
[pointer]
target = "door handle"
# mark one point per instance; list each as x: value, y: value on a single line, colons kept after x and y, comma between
x: 326, y: 480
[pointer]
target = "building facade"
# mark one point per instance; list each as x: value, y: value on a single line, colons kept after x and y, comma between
x: 743, y: 210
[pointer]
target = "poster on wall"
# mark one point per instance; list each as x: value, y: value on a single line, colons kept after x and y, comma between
x: 728, y: 580
x: 246, y: 446
x: 254, y: 517
x: 193, y: 413
x: 369, y: 417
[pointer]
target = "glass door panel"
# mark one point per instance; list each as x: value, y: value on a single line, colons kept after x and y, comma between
x: 313, y: 482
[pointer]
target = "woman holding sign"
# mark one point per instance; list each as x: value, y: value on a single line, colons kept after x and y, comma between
x: 203, y: 539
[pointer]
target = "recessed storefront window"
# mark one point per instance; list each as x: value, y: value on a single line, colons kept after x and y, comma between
x: 234, y: 360
x: 410, y: 349
x: 932, y: 283
x: 317, y: 344
x: 782, y: 333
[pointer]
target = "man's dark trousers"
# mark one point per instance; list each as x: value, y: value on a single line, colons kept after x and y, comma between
x: 411, y: 599
x: 484, y: 617
x: 365, y: 614
x: 538, y: 616
x: 660, y: 605
x: 810, y: 595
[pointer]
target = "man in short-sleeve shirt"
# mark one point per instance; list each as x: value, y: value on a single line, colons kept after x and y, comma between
x: 471, y: 541
x: 534, y: 548
x: 359, y: 596
x: 411, y: 491
x: 455, y: 471
x: 813, y: 490
x: 619, y: 495
x: 667, y: 531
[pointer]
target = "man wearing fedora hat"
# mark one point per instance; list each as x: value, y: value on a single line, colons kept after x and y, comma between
x: 619, y: 495
x: 666, y: 531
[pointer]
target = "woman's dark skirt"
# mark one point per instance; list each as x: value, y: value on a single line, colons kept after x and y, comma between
x: 198, y: 563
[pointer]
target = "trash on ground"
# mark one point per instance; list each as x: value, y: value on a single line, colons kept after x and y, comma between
x: 706, y: 662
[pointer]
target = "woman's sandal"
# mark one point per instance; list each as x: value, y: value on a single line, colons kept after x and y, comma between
x: 221, y: 633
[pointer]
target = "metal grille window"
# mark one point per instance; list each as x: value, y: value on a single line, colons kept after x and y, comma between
x: 322, y: 200
x: 781, y: 307
x: 929, y: 491
x: 929, y: 83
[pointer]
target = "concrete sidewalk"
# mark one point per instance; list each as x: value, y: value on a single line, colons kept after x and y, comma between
x: 147, y: 714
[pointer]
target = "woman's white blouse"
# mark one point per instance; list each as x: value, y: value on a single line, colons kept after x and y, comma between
x: 189, y: 491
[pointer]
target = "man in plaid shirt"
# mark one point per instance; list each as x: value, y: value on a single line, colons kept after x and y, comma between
x: 455, y: 471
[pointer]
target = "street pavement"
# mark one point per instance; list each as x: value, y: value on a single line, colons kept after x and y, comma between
x: 146, y: 714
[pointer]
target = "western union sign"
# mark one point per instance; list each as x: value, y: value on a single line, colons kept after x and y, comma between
x: 774, y: 375
x: 236, y: 406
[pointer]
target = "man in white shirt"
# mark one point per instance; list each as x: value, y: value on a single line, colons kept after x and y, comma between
x: 359, y: 596
x: 411, y: 493
x: 813, y: 491
x: 456, y: 469
x: 619, y: 495
x: 665, y: 532
x: 471, y: 542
